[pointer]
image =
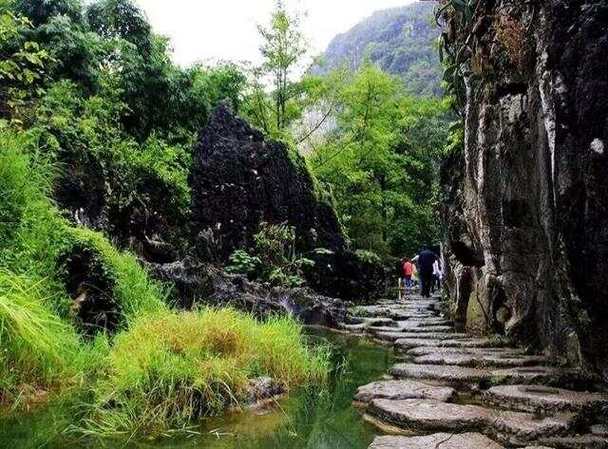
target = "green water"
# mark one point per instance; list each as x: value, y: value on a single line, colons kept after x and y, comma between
x: 314, y: 418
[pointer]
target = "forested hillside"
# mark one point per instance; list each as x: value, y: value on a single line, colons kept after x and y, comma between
x: 401, y: 41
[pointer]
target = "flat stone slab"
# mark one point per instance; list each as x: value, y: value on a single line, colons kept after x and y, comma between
x: 537, y: 397
x: 434, y: 335
x: 434, y: 416
x: 480, y: 360
x: 576, y: 442
x: 428, y: 322
x: 396, y: 335
x: 451, y: 374
x: 430, y: 350
x: 408, y: 343
x: 521, y: 428
x: 403, y: 389
x: 438, y: 440
x: 415, y: 328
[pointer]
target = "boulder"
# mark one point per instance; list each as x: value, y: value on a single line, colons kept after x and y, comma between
x: 240, y: 179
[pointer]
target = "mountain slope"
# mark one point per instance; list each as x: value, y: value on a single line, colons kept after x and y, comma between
x: 399, y: 40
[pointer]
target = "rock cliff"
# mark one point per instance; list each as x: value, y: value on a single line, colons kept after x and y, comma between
x: 526, y: 202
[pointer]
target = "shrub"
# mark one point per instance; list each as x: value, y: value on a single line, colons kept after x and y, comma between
x: 168, y: 370
x: 274, y: 257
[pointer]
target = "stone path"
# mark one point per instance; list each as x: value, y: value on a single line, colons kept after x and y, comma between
x: 453, y: 391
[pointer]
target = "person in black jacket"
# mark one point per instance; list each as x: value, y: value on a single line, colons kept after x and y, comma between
x: 425, y: 260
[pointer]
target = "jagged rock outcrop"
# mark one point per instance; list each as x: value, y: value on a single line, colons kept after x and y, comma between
x: 527, y: 201
x: 240, y: 179
x: 198, y: 283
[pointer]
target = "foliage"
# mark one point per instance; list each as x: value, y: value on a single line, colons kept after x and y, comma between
x: 22, y: 63
x: 241, y: 262
x: 91, y: 99
x: 368, y: 257
x: 381, y: 162
x: 274, y: 257
x: 169, y: 370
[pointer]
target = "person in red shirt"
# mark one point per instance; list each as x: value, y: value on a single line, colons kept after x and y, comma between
x: 408, y: 271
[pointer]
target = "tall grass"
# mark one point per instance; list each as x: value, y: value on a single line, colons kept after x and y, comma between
x: 39, y: 347
x: 168, y: 370
x: 39, y: 350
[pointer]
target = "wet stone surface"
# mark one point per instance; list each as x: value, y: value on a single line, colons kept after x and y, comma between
x: 403, y: 389
x: 481, y: 360
x: 538, y: 397
x: 439, y: 440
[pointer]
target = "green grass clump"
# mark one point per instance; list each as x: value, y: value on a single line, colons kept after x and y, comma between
x: 134, y: 290
x: 168, y: 370
x: 39, y: 351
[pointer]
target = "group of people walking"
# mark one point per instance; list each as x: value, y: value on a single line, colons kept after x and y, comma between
x: 426, y: 268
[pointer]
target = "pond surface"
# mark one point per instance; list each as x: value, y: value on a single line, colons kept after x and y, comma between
x: 313, y: 418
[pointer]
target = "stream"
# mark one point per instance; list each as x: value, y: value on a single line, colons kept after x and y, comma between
x: 310, y: 418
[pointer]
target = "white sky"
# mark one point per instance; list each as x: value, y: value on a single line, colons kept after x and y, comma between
x: 210, y: 30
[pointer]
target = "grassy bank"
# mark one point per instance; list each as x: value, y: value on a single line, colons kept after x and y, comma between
x: 168, y: 370
x: 161, y: 370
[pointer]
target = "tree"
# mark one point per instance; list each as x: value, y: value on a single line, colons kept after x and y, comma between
x: 381, y: 162
x: 282, y: 48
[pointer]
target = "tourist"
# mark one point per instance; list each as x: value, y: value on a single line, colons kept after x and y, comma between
x: 425, y: 261
x: 437, y: 275
x: 408, y: 272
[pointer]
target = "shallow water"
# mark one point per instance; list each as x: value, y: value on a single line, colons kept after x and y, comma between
x: 311, y: 418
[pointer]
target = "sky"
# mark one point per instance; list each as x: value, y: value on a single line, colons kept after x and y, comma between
x: 211, y: 30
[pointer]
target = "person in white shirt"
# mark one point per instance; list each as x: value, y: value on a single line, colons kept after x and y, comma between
x: 437, y: 276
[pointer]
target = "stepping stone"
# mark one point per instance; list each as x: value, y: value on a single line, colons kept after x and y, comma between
x: 577, y: 442
x: 379, y: 322
x: 434, y: 335
x: 533, y: 398
x: 393, y: 336
x: 434, y: 416
x: 388, y: 336
x: 480, y: 360
x: 353, y: 327
x: 451, y: 374
x: 431, y: 350
x: 403, y: 389
x: 418, y: 330
x: 520, y: 428
x: 428, y: 322
x: 430, y: 416
x: 408, y: 343
x: 438, y: 440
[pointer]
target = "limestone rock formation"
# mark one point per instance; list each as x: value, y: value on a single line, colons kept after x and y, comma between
x: 526, y: 206
x: 240, y: 179
x: 199, y: 283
